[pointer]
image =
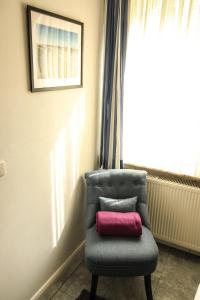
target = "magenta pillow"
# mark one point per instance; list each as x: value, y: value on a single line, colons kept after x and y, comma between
x: 118, y: 224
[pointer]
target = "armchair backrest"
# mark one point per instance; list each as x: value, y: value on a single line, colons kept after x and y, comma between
x: 116, y: 184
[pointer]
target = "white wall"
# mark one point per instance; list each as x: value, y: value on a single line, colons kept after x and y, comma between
x: 48, y: 140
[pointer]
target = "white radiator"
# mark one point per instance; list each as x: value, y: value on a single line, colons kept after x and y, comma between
x: 175, y: 213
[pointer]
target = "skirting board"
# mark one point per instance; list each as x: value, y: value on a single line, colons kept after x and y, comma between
x: 59, y: 271
x: 161, y: 241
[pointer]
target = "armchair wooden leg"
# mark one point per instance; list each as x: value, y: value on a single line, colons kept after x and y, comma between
x: 93, y: 287
x: 147, y: 281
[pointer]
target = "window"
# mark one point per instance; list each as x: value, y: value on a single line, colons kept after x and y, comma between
x: 162, y: 86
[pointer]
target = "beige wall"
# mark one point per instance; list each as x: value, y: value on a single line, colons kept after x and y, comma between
x: 48, y: 140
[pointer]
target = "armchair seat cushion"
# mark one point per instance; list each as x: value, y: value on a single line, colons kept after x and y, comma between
x: 120, y: 256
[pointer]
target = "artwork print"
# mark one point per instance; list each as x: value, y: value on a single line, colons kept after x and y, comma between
x: 55, y: 50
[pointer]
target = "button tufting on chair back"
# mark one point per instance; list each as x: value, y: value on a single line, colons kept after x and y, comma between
x: 117, y: 184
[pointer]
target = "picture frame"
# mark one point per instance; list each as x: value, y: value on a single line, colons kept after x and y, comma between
x: 55, y: 50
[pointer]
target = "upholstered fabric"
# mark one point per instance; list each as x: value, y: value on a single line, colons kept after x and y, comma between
x: 120, y: 256
x: 116, y: 184
x: 120, y: 205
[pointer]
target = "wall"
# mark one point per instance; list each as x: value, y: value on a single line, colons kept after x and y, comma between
x: 48, y: 140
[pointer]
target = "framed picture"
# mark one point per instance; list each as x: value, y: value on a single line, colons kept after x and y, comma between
x: 55, y: 50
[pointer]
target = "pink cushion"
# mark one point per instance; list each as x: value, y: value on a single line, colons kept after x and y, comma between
x: 118, y: 224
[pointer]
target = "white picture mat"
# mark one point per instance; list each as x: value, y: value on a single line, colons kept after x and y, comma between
x: 38, y: 18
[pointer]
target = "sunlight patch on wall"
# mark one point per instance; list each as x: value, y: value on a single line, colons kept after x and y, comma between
x: 76, y: 130
x: 58, y: 164
x: 65, y: 161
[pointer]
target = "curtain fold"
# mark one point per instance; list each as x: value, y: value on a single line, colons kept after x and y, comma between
x: 113, y: 86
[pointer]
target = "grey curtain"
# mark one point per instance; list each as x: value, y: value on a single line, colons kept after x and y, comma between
x: 113, y: 84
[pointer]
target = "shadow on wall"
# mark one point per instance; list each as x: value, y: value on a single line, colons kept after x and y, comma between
x: 66, y: 187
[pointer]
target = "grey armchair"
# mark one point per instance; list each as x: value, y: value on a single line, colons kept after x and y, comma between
x: 118, y: 256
